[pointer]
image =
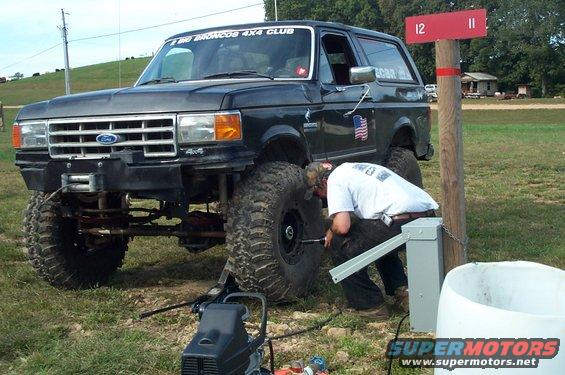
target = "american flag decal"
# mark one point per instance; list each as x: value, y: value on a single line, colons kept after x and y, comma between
x: 361, y: 128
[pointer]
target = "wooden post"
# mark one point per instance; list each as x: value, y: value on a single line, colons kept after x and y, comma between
x: 448, y: 72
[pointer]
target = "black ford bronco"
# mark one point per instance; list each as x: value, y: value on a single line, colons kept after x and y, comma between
x: 216, y: 130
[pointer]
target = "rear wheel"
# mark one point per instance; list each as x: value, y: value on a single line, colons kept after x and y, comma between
x: 403, y: 162
x: 268, y: 219
x: 60, y: 254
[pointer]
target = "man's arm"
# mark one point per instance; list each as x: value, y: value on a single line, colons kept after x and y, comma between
x: 341, y: 223
x: 340, y: 226
x: 340, y: 204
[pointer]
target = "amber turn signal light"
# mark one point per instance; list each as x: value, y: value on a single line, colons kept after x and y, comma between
x: 227, y: 127
x: 16, y: 136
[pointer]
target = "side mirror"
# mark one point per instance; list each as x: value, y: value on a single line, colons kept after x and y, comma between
x: 362, y: 74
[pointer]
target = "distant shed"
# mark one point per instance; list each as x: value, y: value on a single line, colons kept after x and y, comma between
x: 481, y: 83
x: 524, y: 90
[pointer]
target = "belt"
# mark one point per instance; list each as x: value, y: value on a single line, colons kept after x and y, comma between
x: 413, y: 215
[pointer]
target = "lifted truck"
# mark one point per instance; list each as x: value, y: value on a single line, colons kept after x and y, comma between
x: 223, y: 118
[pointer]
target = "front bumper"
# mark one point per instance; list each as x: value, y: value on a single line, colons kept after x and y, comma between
x: 123, y: 173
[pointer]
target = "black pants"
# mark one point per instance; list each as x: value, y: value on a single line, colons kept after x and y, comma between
x: 361, y: 292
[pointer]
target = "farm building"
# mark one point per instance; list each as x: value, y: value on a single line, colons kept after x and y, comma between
x: 524, y: 91
x: 481, y: 83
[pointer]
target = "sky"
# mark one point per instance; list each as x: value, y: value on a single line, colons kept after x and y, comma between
x: 28, y: 27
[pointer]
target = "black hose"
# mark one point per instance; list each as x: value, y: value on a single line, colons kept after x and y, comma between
x: 318, y: 325
x: 271, y: 356
x: 147, y: 314
x: 394, y: 341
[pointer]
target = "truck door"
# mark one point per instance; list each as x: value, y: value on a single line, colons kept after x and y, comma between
x: 347, y: 136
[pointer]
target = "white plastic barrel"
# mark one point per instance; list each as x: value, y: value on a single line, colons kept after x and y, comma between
x: 504, y: 300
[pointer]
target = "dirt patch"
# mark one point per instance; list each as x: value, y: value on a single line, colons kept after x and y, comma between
x: 161, y: 295
x: 9, y: 240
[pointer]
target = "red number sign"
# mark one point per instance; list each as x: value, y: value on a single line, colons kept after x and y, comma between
x: 466, y: 24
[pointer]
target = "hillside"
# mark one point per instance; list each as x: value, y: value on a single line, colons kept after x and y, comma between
x: 86, y: 78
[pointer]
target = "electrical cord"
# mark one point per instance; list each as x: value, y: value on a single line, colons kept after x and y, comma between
x: 131, y: 31
x: 389, y: 371
x: 165, y: 24
x: 31, y: 57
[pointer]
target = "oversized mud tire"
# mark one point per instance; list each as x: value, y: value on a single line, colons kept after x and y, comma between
x: 59, y: 254
x: 268, y: 217
x: 403, y: 162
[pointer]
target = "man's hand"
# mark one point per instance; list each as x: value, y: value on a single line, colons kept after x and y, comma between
x: 340, y: 225
x: 329, y: 236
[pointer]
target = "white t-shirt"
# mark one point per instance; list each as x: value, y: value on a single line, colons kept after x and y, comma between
x: 370, y: 190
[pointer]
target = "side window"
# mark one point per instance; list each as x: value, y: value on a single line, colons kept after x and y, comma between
x: 387, y: 60
x: 325, y: 73
x: 340, y: 57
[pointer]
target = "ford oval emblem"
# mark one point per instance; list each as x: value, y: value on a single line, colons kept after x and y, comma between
x: 107, y: 138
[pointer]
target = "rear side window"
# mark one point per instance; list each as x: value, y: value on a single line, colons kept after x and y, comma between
x: 387, y: 60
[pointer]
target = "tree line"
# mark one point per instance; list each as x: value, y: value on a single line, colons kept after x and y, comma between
x: 525, y: 42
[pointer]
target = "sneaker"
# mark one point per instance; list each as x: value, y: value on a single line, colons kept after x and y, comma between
x: 376, y: 313
x: 401, y: 298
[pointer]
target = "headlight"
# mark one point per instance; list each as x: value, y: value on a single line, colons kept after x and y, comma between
x: 30, y: 134
x: 209, y: 127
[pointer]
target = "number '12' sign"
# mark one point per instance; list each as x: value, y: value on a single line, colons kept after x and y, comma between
x: 466, y: 24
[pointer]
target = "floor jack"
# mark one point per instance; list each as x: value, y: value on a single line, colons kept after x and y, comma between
x: 221, y: 344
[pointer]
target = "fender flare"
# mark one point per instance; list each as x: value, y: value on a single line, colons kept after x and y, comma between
x: 278, y: 132
x: 403, y: 124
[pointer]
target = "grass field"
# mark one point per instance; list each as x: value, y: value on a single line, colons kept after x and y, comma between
x: 106, y: 75
x: 514, y: 168
x: 86, y: 78
x: 491, y: 100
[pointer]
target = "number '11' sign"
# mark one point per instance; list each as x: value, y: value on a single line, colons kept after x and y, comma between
x: 455, y: 25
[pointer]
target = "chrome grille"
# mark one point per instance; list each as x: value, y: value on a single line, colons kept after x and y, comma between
x: 155, y: 135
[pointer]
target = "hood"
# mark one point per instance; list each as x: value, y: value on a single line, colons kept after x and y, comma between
x: 198, y: 96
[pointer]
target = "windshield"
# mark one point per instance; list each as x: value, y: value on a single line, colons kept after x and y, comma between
x: 263, y: 52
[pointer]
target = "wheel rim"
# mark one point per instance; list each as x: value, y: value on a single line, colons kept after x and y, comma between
x: 291, y: 233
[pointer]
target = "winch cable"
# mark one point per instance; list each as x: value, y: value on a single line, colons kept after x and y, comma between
x: 52, y: 195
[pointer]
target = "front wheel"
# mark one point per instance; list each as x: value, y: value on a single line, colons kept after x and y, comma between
x: 60, y: 254
x: 268, y: 219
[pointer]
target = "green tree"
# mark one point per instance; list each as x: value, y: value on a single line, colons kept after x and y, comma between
x: 396, y: 12
x: 361, y: 13
x: 17, y: 76
x: 525, y: 42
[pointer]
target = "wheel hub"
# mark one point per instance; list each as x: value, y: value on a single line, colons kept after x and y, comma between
x: 292, y: 228
x: 289, y: 233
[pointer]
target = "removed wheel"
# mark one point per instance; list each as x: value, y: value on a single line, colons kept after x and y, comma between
x: 60, y: 254
x: 268, y: 219
x: 403, y: 162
